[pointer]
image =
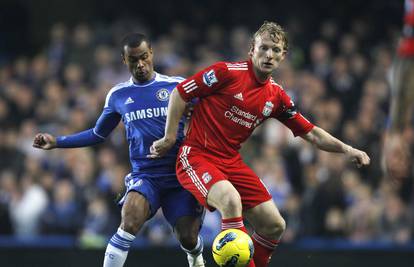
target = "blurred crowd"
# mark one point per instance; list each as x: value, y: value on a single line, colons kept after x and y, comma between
x: 339, y: 79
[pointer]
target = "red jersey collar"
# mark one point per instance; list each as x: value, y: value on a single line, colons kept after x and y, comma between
x: 250, y: 67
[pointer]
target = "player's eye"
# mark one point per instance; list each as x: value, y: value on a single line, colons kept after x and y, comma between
x: 144, y: 56
x: 276, y: 50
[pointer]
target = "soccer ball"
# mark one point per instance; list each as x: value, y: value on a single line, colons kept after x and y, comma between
x: 233, y: 248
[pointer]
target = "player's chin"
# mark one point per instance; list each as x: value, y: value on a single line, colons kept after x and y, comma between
x: 267, y: 69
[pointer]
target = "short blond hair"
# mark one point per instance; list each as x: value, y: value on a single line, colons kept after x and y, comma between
x: 275, y: 31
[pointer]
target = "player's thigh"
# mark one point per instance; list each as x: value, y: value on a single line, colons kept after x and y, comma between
x: 251, y: 189
x: 135, y: 211
x: 197, y: 173
x: 140, y: 202
x: 178, y: 203
x: 225, y: 197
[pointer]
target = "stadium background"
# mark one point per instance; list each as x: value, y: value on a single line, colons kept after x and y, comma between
x: 58, y: 59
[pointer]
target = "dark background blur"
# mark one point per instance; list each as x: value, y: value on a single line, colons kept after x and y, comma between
x: 25, y: 24
x: 58, y: 59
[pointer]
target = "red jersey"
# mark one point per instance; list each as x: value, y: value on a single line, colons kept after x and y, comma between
x: 232, y: 104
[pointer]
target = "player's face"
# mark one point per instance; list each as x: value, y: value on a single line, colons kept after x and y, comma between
x: 139, y: 62
x: 266, y: 54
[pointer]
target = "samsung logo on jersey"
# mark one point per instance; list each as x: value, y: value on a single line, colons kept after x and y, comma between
x: 145, y: 113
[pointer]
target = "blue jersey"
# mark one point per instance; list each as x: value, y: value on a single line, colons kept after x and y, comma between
x: 143, y: 110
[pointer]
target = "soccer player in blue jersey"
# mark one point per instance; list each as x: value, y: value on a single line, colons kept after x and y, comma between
x: 141, y: 103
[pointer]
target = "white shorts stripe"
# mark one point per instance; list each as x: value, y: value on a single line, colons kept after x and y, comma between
x: 187, y: 169
x: 191, y: 173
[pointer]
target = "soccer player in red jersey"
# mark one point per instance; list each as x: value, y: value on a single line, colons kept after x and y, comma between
x: 234, y: 99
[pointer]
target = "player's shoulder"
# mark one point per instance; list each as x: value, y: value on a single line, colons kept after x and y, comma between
x: 168, y: 79
x: 230, y: 66
x: 237, y: 66
x: 275, y: 86
x: 121, y: 86
x: 117, y: 88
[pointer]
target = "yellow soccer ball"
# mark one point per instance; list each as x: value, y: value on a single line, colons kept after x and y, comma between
x: 232, y: 248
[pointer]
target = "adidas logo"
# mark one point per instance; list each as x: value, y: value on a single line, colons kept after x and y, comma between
x: 129, y: 101
x: 239, y: 96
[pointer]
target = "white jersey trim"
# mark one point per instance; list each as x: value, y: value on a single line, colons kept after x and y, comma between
x: 116, y: 88
x: 130, y: 82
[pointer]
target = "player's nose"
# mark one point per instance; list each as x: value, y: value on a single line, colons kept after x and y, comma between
x: 140, y: 64
x: 269, y: 54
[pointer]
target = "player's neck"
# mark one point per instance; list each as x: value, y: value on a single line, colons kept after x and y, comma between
x: 260, y: 76
x: 141, y: 82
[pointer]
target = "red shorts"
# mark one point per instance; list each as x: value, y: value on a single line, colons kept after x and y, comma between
x: 197, y: 171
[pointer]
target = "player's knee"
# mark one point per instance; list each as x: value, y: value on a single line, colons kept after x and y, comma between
x: 131, y: 221
x: 224, y: 197
x: 276, y: 229
x: 280, y: 226
x: 231, y: 203
x: 130, y: 225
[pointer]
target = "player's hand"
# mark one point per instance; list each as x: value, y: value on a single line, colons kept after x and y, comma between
x: 360, y: 158
x: 160, y: 147
x: 44, y: 141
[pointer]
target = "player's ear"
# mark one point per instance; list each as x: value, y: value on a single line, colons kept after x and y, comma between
x: 123, y: 58
x: 251, y: 47
x: 284, y: 54
x: 251, y: 50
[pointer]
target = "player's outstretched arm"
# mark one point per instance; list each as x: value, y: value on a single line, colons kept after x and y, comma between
x: 104, y: 126
x: 324, y: 141
x: 81, y: 139
x: 176, y: 107
x: 44, y: 141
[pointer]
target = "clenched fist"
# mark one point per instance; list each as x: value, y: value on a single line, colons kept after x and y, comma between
x: 44, y: 141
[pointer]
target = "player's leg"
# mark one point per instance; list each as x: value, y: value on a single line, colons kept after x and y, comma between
x: 258, y: 209
x: 185, y: 216
x: 226, y: 199
x: 138, y: 205
x: 135, y: 212
x: 269, y: 227
x: 200, y: 176
x: 209, y: 185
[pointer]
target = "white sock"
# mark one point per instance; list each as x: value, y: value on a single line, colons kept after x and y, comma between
x: 198, y: 248
x: 117, y: 249
x: 195, y: 256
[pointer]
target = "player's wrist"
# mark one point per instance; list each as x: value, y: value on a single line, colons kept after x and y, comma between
x: 347, y: 149
x: 53, y: 142
x: 170, y: 138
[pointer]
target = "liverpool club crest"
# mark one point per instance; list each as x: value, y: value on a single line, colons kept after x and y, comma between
x: 267, y: 109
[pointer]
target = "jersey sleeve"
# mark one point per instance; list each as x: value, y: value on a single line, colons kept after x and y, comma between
x: 205, y: 82
x: 108, y: 119
x: 290, y: 117
x: 106, y: 122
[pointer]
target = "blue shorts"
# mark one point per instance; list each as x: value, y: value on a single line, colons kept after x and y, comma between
x: 164, y: 191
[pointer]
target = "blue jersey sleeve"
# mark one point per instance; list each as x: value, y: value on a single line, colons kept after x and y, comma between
x: 105, y: 124
x: 85, y: 138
